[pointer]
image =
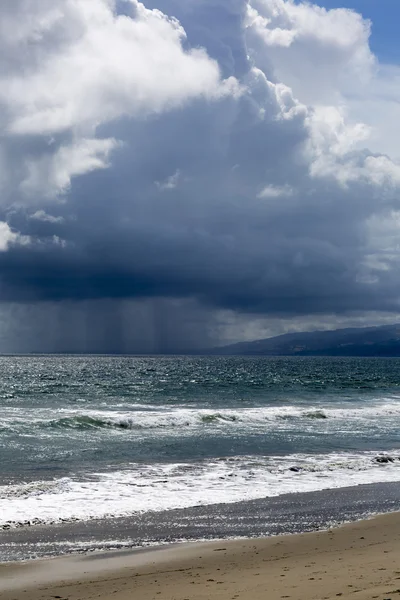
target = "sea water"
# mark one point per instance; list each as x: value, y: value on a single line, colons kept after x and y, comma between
x: 102, y: 437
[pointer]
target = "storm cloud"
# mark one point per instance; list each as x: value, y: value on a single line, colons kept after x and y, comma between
x: 168, y: 162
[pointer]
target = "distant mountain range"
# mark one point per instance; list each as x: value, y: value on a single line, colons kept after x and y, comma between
x: 365, y: 341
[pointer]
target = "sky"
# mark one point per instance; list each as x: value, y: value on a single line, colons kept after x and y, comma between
x: 176, y: 175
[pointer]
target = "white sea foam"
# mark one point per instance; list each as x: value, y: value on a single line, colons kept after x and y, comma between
x: 141, y: 488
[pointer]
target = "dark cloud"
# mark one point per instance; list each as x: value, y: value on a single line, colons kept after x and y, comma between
x: 234, y: 203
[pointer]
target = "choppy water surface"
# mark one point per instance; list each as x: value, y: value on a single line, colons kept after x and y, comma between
x: 87, y: 437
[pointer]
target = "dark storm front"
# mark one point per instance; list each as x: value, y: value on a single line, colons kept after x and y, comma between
x: 85, y: 438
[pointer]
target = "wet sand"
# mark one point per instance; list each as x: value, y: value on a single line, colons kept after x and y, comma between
x: 360, y: 561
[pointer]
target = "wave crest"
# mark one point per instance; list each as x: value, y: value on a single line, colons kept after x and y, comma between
x: 87, y: 422
x: 165, y: 418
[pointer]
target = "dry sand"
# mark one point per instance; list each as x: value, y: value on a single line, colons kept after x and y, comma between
x: 360, y: 561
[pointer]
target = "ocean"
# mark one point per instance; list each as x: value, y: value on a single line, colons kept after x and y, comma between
x: 91, y: 446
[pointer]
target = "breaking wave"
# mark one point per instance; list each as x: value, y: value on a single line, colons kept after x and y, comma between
x: 141, y: 488
x: 182, y: 417
x: 88, y: 422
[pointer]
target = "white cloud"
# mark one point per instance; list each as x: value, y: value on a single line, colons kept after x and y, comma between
x: 317, y: 52
x: 324, y: 59
x: 333, y: 150
x: 275, y: 191
x: 70, y: 67
x: 378, y: 105
x: 170, y: 183
x: 51, y: 174
x: 112, y: 66
x: 88, y: 66
x: 8, y: 237
x: 42, y: 215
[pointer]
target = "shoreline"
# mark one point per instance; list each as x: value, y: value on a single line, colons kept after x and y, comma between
x: 362, y: 557
x: 286, y: 514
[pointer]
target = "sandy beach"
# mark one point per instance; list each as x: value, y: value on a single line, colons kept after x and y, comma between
x: 359, y: 560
